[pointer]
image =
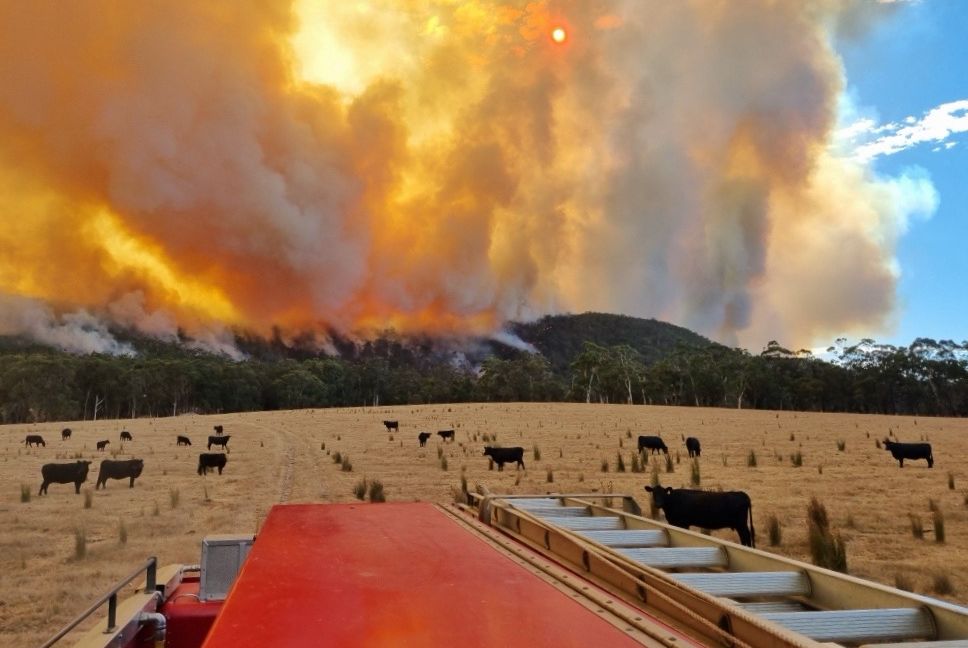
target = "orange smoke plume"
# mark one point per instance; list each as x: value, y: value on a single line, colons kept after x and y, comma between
x: 434, y: 166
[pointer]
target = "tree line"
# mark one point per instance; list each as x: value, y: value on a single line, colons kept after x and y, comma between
x: 926, y: 378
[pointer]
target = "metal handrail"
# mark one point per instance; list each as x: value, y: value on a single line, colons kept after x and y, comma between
x: 149, y: 567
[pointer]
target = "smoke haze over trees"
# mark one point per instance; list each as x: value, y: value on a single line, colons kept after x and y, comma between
x: 585, y: 358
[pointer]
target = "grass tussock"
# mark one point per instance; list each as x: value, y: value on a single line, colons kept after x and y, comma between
x: 377, y: 493
x: 751, y: 459
x: 877, y: 443
x: 80, y: 543
x: 604, y: 465
x: 88, y: 498
x: 550, y: 478
x: 938, y: 520
x: 670, y: 468
x: 951, y: 481
x: 536, y: 451
x: 359, y: 489
x: 917, y: 526
x: 346, y: 465
x: 25, y: 493
x: 635, y: 464
x: 773, y: 530
x: 941, y: 584
x: 122, y: 532
x: 841, y: 445
x: 619, y: 463
x: 443, y: 462
x: 827, y: 549
x: 796, y: 459
x: 903, y: 582
x: 174, y: 497
x: 695, y: 478
x: 932, y: 505
x: 337, y: 457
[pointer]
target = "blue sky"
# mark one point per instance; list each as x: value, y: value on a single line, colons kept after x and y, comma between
x: 914, y: 61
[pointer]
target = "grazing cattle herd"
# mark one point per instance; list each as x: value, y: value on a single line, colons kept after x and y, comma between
x: 682, y: 507
x: 75, y: 472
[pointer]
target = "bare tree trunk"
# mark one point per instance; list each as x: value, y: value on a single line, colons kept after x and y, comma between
x: 98, y: 401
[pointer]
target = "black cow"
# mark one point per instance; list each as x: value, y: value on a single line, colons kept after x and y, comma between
x: 902, y: 451
x: 64, y: 473
x: 34, y: 440
x: 102, y: 444
x: 446, y: 434
x: 217, y: 428
x: 125, y: 435
x: 129, y: 468
x: 422, y: 438
x: 504, y: 455
x: 392, y: 425
x: 208, y: 460
x: 183, y: 440
x: 65, y: 434
x: 219, y: 441
x: 707, y: 510
x: 692, y: 445
x: 652, y: 443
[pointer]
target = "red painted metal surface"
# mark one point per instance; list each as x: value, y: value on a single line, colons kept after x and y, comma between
x: 189, y: 619
x: 400, y: 575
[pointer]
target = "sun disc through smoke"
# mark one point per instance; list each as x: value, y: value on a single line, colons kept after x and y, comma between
x: 558, y: 35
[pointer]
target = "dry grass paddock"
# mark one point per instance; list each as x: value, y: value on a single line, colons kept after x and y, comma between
x: 288, y: 456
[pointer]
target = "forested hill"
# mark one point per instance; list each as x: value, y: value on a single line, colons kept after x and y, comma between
x: 561, y: 338
x: 590, y: 358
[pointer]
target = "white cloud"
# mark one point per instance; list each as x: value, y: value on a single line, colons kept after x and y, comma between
x: 865, y: 140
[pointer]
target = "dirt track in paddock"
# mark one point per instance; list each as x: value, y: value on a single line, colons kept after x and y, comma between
x: 278, y: 456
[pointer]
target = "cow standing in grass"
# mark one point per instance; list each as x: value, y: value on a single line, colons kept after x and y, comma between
x: 34, y: 440
x: 219, y: 441
x: 707, y: 510
x: 183, y: 440
x: 505, y: 455
x: 64, y: 473
x: 208, y: 460
x: 65, y: 434
x: 446, y: 434
x: 422, y: 438
x: 902, y: 451
x: 217, y: 428
x: 125, y: 435
x: 101, y: 445
x: 693, y: 446
x: 392, y: 425
x: 127, y: 469
x: 652, y: 443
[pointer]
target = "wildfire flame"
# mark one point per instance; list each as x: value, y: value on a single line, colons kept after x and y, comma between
x: 437, y: 166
